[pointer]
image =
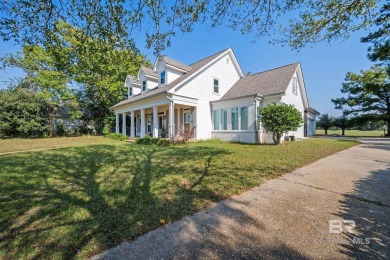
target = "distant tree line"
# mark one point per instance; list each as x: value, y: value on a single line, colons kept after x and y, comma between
x: 327, y: 122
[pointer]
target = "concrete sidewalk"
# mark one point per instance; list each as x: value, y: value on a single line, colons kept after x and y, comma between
x: 288, y: 217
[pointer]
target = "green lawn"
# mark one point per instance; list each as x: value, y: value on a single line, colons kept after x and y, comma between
x: 19, y: 144
x: 353, y: 133
x: 76, y: 202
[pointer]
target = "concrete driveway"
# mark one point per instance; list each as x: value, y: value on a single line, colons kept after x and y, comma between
x: 335, y: 208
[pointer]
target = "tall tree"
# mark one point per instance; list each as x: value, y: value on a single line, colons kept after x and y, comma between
x: 325, y: 121
x: 380, y: 50
x: 96, y: 66
x: 310, y: 21
x: 41, y: 78
x: 368, y: 94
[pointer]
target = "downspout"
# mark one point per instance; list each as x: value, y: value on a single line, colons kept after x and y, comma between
x: 171, y: 112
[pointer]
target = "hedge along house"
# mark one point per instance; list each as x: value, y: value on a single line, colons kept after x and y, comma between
x: 210, y: 98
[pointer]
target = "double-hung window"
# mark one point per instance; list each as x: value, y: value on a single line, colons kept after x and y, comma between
x: 216, y: 85
x: 162, y: 78
x: 234, y: 117
x: 144, y: 85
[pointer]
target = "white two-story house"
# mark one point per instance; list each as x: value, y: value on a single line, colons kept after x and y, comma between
x: 208, y: 99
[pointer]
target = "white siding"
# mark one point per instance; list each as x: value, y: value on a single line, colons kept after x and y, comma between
x: 201, y: 86
x: 203, y: 118
x: 297, y: 101
x: 172, y: 75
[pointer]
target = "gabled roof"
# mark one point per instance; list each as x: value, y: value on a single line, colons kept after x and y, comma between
x: 149, y: 72
x: 268, y: 82
x: 176, y: 64
x: 194, y: 68
x: 133, y: 79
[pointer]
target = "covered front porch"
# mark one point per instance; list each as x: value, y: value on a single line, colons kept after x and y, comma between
x: 159, y: 121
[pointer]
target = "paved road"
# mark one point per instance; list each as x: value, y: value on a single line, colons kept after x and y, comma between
x: 288, y: 217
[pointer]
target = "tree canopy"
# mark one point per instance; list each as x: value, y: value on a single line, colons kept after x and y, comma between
x: 368, y: 95
x: 326, y: 121
x: 82, y: 71
x: 279, y: 119
x: 296, y: 22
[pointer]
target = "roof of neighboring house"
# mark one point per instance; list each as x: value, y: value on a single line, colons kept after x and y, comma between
x: 268, y: 82
x: 176, y: 63
x: 194, y: 68
x: 150, y: 72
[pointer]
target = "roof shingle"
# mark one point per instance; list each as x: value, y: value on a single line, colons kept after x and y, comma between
x: 176, y: 64
x: 264, y: 83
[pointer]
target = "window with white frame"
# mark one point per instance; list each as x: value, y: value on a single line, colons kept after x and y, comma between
x: 224, y: 123
x: 234, y: 118
x: 216, y: 85
x: 144, y: 85
x: 216, y: 119
x: 162, y: 77
x: 295, y: 85
x: 244, y: 118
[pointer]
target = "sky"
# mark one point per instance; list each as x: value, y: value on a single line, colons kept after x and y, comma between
x: 324, y: 66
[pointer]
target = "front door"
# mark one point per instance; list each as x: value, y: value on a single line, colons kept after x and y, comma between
x: 187, y: 120
x: 149, y: 124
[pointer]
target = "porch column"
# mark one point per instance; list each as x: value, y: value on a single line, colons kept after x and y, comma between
x: 117, y: 123
x: 132, y: 127
x: 178, y: 120
x: 171, y: 121
x: 142, y: 122
x: 124, y: 123
x: 155, y: 122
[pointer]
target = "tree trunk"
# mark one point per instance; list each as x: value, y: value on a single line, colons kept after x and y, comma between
x: 326, y: 131
x: 342, y: 131
x: 388, y: 127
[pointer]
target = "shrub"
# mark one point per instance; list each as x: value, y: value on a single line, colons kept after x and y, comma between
x: 118, y: 137
x: 152, y: 141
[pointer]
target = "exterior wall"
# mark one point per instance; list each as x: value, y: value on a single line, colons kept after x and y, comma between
x: 311, y: 124
x: 202, y: 85
x: 203, y: 117
x: 245, y: 136
x: 150, y: 84
x: 172, y: 75
x: 297, y: 101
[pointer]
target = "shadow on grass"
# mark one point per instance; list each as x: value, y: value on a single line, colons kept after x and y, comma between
x: 79, y: 201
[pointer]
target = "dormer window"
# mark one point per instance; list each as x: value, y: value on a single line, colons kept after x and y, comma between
x: 162, y: 78
x: 144, y: 85
x: 130, y: 91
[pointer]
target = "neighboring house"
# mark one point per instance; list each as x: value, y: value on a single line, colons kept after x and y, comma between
x: 210, y: 98
x: 62, y: 116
